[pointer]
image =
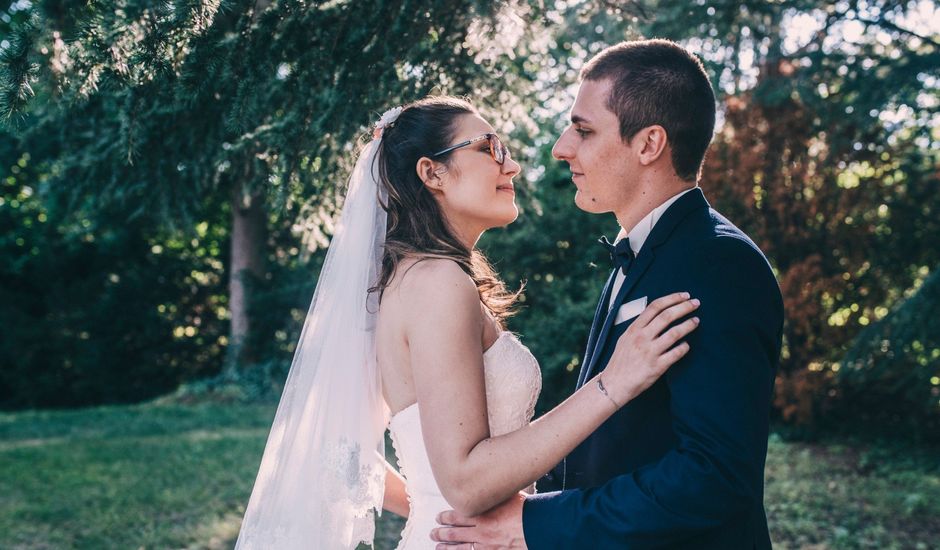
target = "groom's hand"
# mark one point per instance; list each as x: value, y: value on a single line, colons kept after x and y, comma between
x: 499, y: 528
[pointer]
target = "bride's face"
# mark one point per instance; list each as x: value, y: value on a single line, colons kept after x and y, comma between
x: 475, y: 192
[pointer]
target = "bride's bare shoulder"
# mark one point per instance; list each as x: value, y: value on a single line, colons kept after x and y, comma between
x: 425, y: 282
x: 422, y: 275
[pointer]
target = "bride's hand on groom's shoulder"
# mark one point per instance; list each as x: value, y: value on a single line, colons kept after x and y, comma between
x: 650, y: 346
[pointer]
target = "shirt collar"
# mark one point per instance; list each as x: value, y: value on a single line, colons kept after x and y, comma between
x: 642, y: 229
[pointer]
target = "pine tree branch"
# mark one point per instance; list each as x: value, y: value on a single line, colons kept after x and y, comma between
x: 15, y: 72
x: 885, y: 23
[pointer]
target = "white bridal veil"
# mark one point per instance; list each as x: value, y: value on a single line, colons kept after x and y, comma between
x: 323, y: 469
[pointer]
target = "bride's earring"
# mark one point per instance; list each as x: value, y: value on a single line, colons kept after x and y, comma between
x: 437, y: 175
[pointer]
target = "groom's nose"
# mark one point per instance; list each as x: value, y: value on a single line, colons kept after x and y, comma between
x: 563, y: 150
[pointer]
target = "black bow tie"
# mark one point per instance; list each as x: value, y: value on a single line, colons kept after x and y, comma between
x: 621, y: 255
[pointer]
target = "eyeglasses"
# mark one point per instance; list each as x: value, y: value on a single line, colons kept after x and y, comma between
x: 498, y: 151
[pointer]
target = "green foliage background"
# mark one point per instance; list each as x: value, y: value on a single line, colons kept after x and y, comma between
x: 136, y: 132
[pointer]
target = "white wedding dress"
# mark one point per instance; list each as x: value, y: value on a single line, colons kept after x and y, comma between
x: 513, y: 382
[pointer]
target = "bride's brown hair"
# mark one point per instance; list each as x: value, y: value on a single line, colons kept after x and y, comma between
x: 416, y: 225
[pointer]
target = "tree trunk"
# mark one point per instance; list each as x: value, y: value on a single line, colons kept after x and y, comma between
x: 249, y: 233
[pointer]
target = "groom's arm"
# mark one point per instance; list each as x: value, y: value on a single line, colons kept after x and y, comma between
x: 720, y: 400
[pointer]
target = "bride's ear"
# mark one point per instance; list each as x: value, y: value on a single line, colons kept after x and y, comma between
x: 430, y: 173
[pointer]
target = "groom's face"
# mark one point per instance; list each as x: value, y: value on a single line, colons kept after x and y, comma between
x: 602, y: 166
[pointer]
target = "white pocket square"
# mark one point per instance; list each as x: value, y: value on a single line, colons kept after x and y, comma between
x: 630, y: 310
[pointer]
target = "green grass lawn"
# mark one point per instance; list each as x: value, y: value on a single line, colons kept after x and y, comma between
x: 149, y: 476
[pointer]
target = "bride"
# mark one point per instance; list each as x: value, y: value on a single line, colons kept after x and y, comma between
x: 406, y: 332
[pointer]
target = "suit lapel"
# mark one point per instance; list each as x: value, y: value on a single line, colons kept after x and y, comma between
x: 670, y: 219
x: 639, y: 267
x: 599, y: 317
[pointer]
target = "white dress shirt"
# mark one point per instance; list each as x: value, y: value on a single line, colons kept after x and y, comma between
x: 638, y: 236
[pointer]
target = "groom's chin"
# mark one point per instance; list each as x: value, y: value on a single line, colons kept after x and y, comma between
x: 584, y: 203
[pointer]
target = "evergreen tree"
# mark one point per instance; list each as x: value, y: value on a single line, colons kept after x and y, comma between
x: 153, y: 109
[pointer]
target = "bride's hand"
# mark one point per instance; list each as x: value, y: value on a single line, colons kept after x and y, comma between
x: 648, y: 347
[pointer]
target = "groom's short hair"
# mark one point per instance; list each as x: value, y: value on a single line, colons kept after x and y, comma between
x: 659, y: 82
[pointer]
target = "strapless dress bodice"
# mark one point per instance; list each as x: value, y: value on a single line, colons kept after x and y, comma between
x: 513, y: 382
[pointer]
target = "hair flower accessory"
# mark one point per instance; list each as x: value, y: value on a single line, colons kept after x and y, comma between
x: 388, y: 118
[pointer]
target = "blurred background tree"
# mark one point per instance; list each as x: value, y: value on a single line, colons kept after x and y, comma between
x: 235, y: 119
x: 219, y: 133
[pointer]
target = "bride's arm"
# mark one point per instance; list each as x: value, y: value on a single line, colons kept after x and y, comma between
x: 395, y: 499
x: 444, y: 330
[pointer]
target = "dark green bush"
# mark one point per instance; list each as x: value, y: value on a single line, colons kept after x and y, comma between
x: 890, y: 377
x: 92, y: 309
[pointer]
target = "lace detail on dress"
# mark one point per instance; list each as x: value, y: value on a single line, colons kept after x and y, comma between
x: 513, y: 383
x: 346, y: 458
x: 343, y: 469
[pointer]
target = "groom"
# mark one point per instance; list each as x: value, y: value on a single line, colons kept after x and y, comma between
x: 682, y: 465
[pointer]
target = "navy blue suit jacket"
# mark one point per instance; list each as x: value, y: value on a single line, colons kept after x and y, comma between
x: 681, y: 465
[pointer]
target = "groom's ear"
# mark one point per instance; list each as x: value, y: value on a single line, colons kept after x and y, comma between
x: 429, y: 172
x: 654, y: 142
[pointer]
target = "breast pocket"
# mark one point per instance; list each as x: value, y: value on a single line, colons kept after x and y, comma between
x: 630, y: 310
